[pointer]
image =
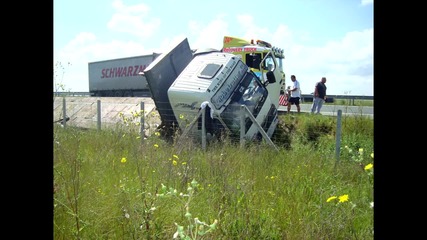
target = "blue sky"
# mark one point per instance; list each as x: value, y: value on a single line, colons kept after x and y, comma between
x: 331, y: 38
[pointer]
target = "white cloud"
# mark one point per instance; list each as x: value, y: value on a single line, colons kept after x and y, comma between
x: 367, y: 2
x: 347, y: 64
x: 251, y: 29
x: 209, y: 36
x: 133, y: 20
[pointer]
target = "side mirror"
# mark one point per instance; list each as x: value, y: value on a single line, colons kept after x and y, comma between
x: 270, y: 77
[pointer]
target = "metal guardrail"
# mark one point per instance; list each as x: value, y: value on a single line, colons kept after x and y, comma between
x: 304, y: 97
x: 332, y: 98
x: 71, y: 94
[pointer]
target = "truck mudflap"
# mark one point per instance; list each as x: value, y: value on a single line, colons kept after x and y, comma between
x: 160, y: 75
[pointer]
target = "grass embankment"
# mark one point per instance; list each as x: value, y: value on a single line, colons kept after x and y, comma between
x: 355, y: 102
x: 111, y: 185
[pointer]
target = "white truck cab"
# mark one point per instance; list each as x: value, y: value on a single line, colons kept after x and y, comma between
x: 220, y: 80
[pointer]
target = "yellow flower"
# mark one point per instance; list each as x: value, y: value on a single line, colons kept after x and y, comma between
x: 175, y: 156
x: 156, y: 145
x: 369, y: 166
x: 174, y: 163
x: 184, y: 163
x: 343, y: 198
x: 372, y: 155
x: 157, y: 133
x: 181, y: 116
x: 331, y: 198
x: 360, y: 150
x: 123, y: 160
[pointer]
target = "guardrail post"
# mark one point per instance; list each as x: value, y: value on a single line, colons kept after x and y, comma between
x: 142, y: 121
x: 242, y: 126
x: 64, y: 112
x: 204, y: 128
x: 338, y: 138
x: 98, y: 109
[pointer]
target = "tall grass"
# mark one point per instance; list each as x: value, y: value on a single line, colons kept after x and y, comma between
x: 110, y: 184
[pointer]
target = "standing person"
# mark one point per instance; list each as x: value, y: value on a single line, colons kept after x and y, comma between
x: 319, y: 96
x: 294, y: 94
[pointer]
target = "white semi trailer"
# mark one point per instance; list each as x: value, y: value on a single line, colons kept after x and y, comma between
x: 119, y: 77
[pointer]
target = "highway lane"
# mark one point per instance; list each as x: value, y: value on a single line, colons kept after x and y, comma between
x: 332, y: 110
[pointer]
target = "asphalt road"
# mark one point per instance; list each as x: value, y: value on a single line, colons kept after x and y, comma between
x: 332, y: 110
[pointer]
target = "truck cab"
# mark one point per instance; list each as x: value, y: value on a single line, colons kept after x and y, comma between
x: 220, y: 80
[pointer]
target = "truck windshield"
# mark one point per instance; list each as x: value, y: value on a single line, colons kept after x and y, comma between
x: 250, y: 93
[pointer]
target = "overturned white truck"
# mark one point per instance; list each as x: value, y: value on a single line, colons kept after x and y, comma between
x: 183, y: 82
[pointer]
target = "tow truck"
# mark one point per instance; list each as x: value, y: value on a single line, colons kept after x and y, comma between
x: 263, y: 58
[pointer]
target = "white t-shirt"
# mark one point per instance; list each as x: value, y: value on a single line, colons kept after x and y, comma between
x: 296, y: 93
